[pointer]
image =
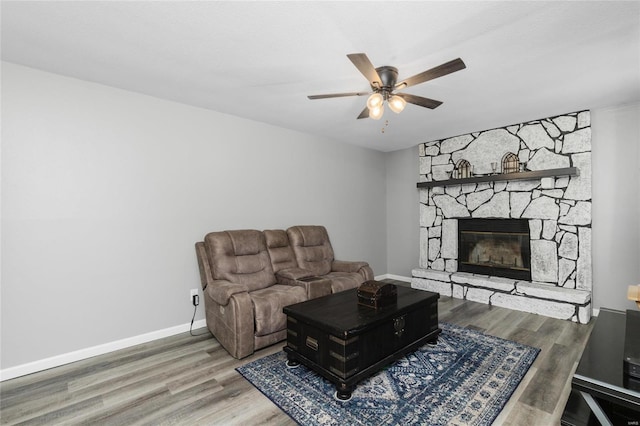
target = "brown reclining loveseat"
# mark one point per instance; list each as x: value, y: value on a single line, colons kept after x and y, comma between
x: 248, y: 276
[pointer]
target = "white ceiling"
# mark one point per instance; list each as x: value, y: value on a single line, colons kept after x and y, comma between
x: 260, y: 60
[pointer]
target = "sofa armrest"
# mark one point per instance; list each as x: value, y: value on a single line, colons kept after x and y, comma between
x: 361, y: 268
x: 344, y: 266
x: 222, y: 290
x: 232, y: 324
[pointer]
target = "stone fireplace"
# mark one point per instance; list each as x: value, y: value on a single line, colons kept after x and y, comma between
x: 505, y: 217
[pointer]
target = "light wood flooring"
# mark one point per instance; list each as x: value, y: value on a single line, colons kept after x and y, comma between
x: 192, y: 380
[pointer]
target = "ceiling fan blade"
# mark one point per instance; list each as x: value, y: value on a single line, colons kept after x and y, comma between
x: 439, y: 71
x: 364, y: 65
x: 364, y: 113
x: 338, y: 95
x: 419, y: 100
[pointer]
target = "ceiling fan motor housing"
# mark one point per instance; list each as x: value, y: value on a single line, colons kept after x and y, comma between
x: 388, y: 77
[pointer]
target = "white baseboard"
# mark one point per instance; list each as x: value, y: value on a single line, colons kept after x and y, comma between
x: 392, y: 277
x: 58, y: 360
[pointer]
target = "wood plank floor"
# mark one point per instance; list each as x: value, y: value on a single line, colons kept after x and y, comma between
x: 192, y: 380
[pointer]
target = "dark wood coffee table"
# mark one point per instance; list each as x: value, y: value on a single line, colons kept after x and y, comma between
x: 345, y: 342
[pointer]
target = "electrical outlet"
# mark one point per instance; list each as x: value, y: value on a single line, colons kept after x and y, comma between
x: 193, y: 296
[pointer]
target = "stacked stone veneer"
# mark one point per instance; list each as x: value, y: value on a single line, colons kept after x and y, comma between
x: 558, y: 209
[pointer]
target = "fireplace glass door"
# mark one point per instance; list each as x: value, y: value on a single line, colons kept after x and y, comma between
x: 496, y: 247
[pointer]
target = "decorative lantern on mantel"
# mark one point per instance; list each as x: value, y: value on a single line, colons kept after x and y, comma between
x: 510, y: 163
x: 463, y: 169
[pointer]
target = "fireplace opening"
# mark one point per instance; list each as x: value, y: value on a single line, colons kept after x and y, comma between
x: 496, y: 247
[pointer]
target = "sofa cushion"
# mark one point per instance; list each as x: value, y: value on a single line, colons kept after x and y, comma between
x: 313, y: 235
x: 268, y: 304
x: 280, y: 251
x: 312, y: 248
x: 240, y: 257
x: 246, y: 242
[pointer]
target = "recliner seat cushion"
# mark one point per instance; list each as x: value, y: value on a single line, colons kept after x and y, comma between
x: 268, y: 304
x: 240, y: 257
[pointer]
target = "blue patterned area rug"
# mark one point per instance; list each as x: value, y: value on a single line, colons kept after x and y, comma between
x: 466, y: 379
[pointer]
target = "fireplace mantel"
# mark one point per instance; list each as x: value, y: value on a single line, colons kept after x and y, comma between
x: 531, y: 175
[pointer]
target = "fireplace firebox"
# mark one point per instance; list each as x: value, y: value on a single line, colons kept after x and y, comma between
x: 496, y: 247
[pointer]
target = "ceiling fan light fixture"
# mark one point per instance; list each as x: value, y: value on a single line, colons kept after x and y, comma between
x: 397, y: 104
x: 376, y: 112
x: 375, y: 101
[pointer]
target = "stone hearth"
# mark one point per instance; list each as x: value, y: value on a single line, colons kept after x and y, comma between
x: 558, y: 210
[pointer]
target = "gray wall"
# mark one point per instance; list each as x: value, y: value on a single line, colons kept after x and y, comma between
x: 104, y: 193
x: 616, y: 206
x: 403, y: 230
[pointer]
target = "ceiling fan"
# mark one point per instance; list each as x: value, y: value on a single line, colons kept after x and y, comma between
x: 383, y: 82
